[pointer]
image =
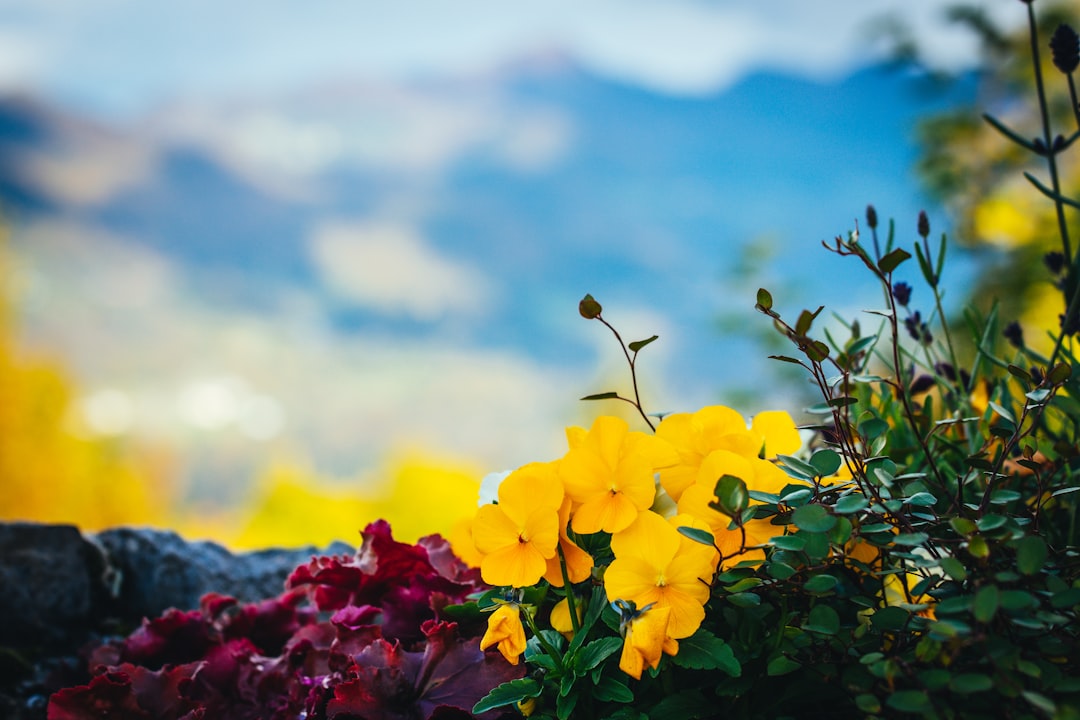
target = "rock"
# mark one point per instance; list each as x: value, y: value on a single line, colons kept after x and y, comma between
x: 53, y: 585
x: 158, y: 570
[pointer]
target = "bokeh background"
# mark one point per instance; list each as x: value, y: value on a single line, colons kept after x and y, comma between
x: 273, y: 269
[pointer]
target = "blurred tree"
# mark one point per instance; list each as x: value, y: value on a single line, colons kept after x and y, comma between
x: 977, y: 173
x: 51, y: 468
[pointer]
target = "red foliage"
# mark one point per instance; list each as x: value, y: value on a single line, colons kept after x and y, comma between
x: 384, y: 653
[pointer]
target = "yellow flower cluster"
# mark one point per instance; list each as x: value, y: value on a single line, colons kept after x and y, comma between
x: 640, y: 489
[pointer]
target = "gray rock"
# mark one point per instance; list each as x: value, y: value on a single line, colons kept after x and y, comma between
x: 53, y: 585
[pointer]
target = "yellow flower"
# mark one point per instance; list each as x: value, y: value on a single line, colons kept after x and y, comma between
x: 758, y: 474
x: 646, y: 638
x: 695, y: 436
x: 560, y: 618
x: 656, y: 565
x: 518, y: 535
x: 579, y: 563
x: 504, y: 628
x: 608, y: 473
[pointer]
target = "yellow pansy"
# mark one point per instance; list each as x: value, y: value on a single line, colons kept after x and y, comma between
x: 505, y: 630
x: 696, y: 435
x: 646, y: 639
x: 519, y: 535
x: 608, y: 472
x: 656, y: 565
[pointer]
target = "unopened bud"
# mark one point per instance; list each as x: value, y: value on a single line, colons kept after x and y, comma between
x: 589, y: 308
x: 871, y: 217
x: 1065, y: 49
x: 924, y: 224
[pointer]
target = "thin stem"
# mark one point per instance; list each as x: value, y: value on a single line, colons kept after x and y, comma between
x: 548, y: 647
x: 633, y: 372
x: 570, y: 602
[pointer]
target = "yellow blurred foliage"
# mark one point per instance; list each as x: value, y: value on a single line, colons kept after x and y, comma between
x: 418, y: 496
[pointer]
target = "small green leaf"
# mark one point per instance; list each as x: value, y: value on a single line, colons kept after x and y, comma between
x: 638, y: 344
x: 1002, y: 412
x: 823, y: 619
x: 954, y: 568
x: 821, y: 584
x: 564, y: 705
x: 992, y: 522
x: 796, y: 468
x: 813, y: 518
x: 969, y: 683
x: 509, y: 693
x: 891, y: 261
x: 611, y: 690
x: 602, y: 396
x: 826, y: 462
x: 1059, y: 374
x: 744, y: 599
x: 986, y: 603
x: 868, y: 703
x: 1031, y: 554
x: 764, y: 299
x: 699, y: 536
x: 731, y: 495
x: 922, y: 499
x: 781, y: 665
x: 890, y: 618
x: 910, y: 539
x: 705, y: 651
x: 794, y: 543
x: 850, y: 504
x: 688, y: 704
x: 595, y: 653
x: 910, y: 701
x: 1040, y: 701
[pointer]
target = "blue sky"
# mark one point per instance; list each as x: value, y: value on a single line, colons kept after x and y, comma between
x: 338, y: 229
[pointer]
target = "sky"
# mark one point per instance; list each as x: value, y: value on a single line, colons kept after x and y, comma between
x: 406, y: 105
x: 125, y: 56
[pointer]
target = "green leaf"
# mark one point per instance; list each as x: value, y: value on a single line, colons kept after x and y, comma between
x: 1031, y: 554
x: 891, y: 261
x: 820, y: 584
x: 611, y: 690
x: 910, y: 701
x: 689, y: 704
x: 509, y: 693
x: 564, y: 705
x: 813, y: 518
x: 705, y: 651
x: 954, y: 568
x: 781, y: 665
x: 764, y: 299
x: 823, y: 619
x: 850, y: 504
x: 916, y: 538
x: 986, y: 603
x: 795, y: 543
x: 1040, y: 701
x: 602, y: 396
x: 890, y: 618
x: 1002, y: 412
x: 796, y: 468
x: 744, y: 599
x: 826, y: 462
x: 1059, y: 373
x: 699, y: 536
x: 969, y: 683
x: 731, y: 495
x: 638, y: 344
x: 868, y: 703
x: 922, y: 499
x: 806, y: 319
x: 992, y: 522
x: 595, y: 653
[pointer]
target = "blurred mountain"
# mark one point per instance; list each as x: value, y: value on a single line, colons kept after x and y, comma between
x: 465, y: 216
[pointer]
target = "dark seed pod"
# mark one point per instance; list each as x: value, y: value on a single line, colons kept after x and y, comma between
x: 1065, y: 48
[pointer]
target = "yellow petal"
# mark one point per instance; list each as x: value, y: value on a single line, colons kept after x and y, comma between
x: 609, y: 512
x: 649, y: 538
x: 778, y: 431
x: 493, y: 529
x: 504, y: 628
x: 629, y: 578
x: 530, y: 486
x: 516, y: 565
x: 649, y: 630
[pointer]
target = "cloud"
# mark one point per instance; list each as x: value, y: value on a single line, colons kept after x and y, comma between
x: 389, y: 268
x: 680, y: 46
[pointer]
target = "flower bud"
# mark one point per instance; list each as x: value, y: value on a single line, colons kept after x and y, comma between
x: 1014, y: 334
x: 924, y: 224
x: 1065, y: 48
x: 902, y: 293
x: 871, y: 217
x: 589, y: 308
x: 1055, y: 262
